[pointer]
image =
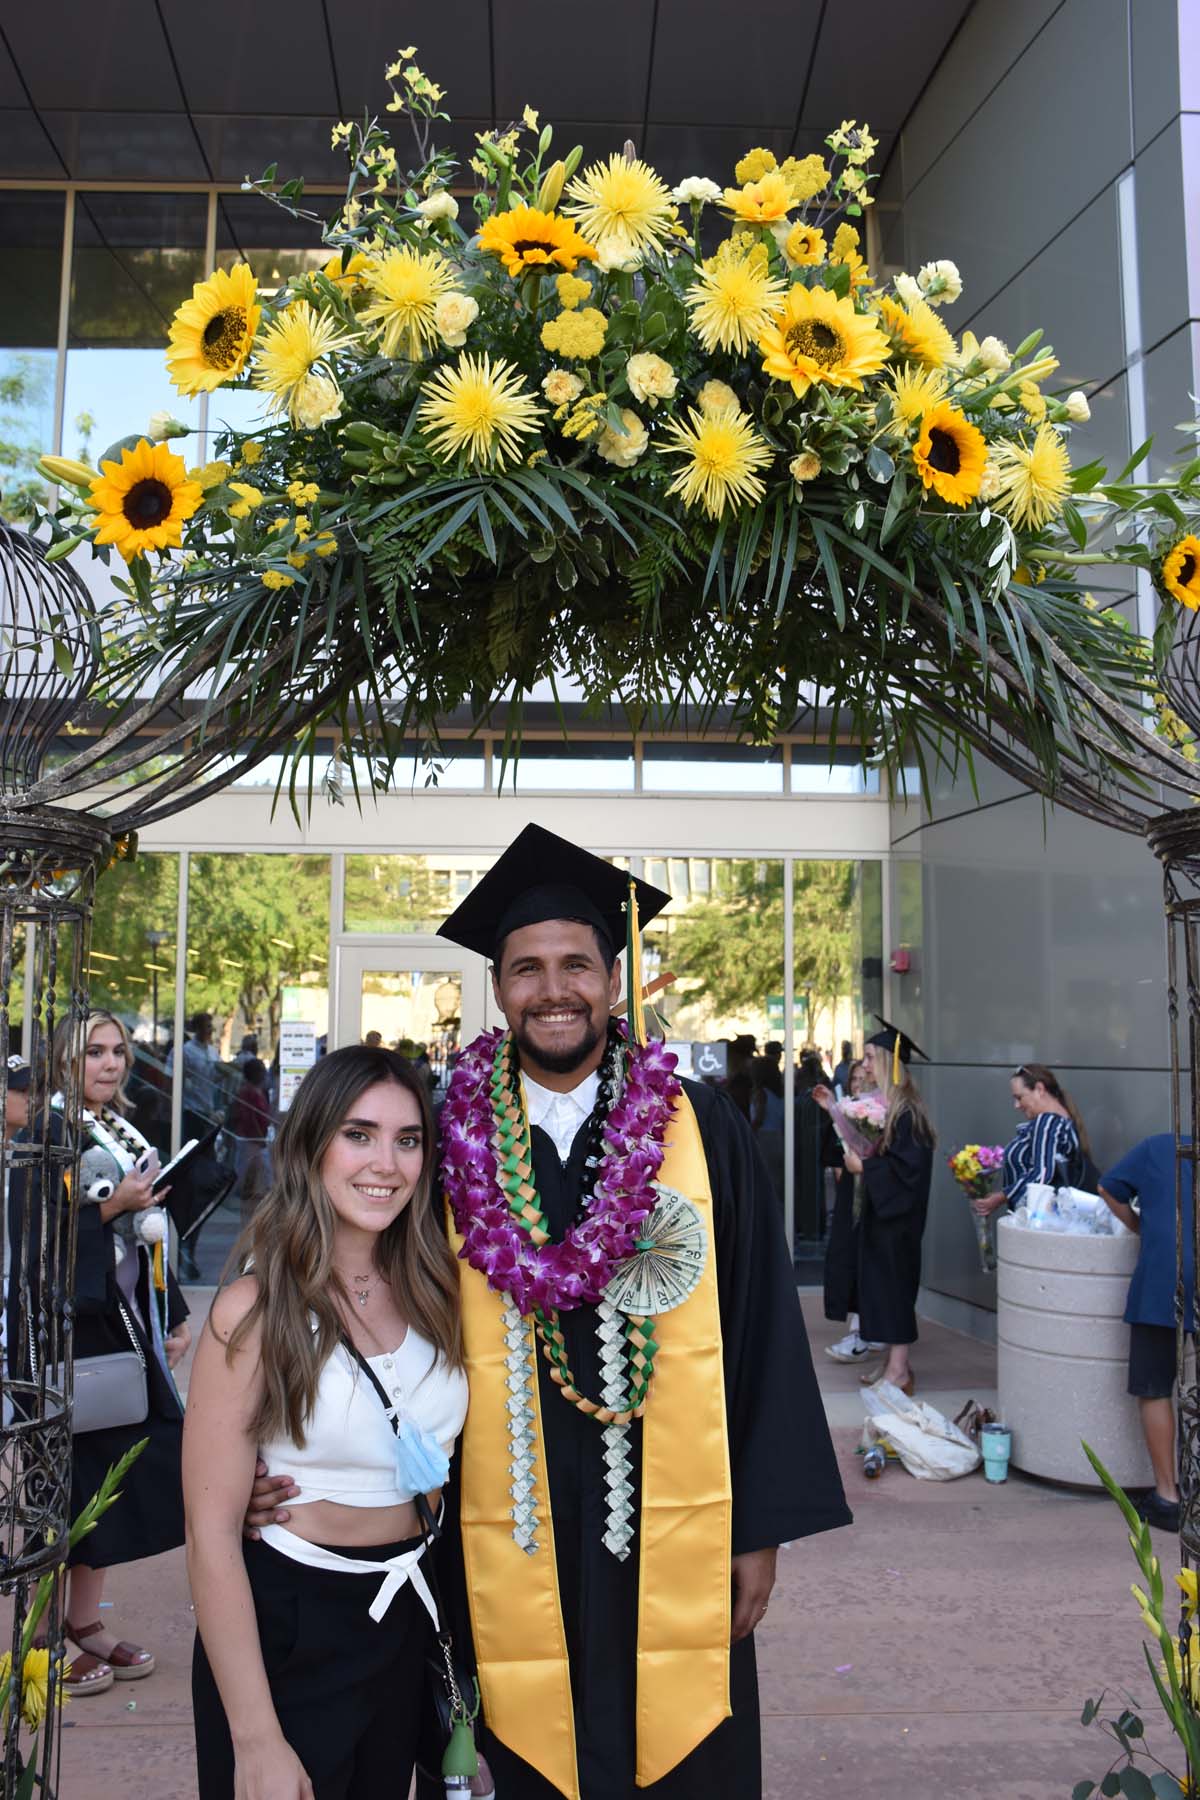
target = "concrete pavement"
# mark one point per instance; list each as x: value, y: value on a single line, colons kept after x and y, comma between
x: 941, y: 1647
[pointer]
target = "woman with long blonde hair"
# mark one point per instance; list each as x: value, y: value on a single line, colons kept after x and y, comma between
x: 895, y: 1200
x: 336, y: 1357
x: 125, y: 1299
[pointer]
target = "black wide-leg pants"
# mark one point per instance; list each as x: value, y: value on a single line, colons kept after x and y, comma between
x: 347, y: 1689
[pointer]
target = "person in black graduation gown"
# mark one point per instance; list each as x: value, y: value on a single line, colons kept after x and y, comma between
x: 896, y: 1183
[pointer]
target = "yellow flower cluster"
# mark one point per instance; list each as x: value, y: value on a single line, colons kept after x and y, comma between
x: 579, y: 335
x: 585, y: 420
x: 571, y: 291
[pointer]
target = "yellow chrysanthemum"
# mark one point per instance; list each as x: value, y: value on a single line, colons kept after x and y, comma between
x: 816, y: 336
x: 576, y: 334
x: 249, y: 499
x: 733, y: 299
x: 290, y: 348
x: 724, y: 453
x: 621, y: 204
x: 572, y: 290
x: 479, y: 407
x: 913, y: 392
x: 407, y: 285
x: 1181, y: 572
x: 806, y: 176
x: 212, y: 333
x: 949, y: 454
x: 916, y: 332
x: 142, y: 501
x: 804, y: 246
x: 524, y: 238
x: 35, y: 1684
x: 760, y: 202
x: 753, y: 166
x: 1034, y: 479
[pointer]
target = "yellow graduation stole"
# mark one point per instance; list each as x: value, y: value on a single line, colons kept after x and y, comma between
x: 684, y: 1527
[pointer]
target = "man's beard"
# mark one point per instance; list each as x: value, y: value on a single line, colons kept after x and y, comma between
x: 558, y: 1062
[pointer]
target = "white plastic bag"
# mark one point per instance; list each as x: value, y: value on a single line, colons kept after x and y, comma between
x: 928, y: 1445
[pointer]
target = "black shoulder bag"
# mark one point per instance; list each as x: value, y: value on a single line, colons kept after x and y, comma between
x: 447, y: 1678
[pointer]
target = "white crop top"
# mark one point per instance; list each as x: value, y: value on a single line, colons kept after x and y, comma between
x: 350, y: 1449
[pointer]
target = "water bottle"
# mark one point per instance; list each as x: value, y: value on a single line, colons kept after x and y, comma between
x: 874, y: 1462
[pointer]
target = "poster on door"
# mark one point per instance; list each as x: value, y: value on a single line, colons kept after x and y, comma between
x: 297, y: 1054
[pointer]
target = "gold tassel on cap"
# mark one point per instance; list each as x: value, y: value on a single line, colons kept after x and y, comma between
x: 635, y: 999
x: 896, y: 1061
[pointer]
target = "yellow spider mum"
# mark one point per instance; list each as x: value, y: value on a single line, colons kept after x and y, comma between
x: 724, y: 453
x: 804, y: 246
x: 480, y: 407
x: 916, y: 332
x: 950, y: 454
x: 290, y: 348
x: 913, y: 392
x: 818, y: 337
x: 142, y: 501
x: 35, y: 1684
x: 1034, y: 479
x: 733, y: 299
x: 1181, y: 572
x: 621, y: 204
x: 407, y: 285
x: 212, y: 333
x: 524, y: 238
x: 761, y: 202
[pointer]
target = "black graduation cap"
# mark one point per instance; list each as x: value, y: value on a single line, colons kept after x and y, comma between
x: 541, y: 876
x: 898, y: 1043
x: 19, y: 1074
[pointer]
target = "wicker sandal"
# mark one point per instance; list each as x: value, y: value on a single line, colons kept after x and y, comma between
x: 129, y: 1662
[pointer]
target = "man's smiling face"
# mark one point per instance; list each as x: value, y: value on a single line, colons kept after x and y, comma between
x: 554, y: 988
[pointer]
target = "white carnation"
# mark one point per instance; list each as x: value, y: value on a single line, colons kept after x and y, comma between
x: 317, y: 400
x: 940, y: 283
x: 697, y: 190
x: 164, y: 425
x: 993, y: 355
x: 438, y: 206
x: 623, y: 449
x: 618, y: 256
x: 908, y: 290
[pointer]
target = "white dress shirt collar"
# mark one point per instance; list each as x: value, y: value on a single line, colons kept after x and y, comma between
x: 561, y: 1115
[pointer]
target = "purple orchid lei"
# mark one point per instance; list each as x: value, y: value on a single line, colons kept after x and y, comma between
x: 546, y: 1277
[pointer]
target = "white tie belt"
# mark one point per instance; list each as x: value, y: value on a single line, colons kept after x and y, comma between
x: 396, y: 1570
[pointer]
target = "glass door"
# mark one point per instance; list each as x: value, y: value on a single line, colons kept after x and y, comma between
x: 425, y: 1002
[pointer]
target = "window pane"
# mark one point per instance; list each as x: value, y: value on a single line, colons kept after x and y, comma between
x: 132, y: 973
x: 386, y: 894
x: 136, y: 258
x: 31, y: 228
x: 711, y: 768
x: 566, y: 766
x: 813, y: 774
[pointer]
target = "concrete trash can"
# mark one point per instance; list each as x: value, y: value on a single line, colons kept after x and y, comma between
x: 1064, y: 1354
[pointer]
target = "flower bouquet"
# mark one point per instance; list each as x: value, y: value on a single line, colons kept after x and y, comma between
x: 977, y: 1169
x: 538, y: 420
x: 860, y: 1123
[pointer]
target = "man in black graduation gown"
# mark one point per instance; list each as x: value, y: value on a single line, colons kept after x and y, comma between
x: 551, y: 918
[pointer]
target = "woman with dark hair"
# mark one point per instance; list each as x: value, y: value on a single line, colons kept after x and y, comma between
x: 124, y: 1299
x: 1050, y: 1146
x: 895, y: 1200
x: 335, y: 1355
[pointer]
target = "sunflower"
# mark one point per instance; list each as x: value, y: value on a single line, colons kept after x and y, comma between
x: 622, y: 205
x: 760, y: 202
x: 480, y: 407
x: 724, y: 453
x: 212, y: 333
x: 407, y: 285
x: 290, y: 349
x: 142, y: 501
x: 1181, y: 572
x: 949, y: 454
x: 816, y: 336
x: 1034, y: 479
x: 733, y: 299
x: 913, y: 392
x: 916, y: 332
x: 524, y: 238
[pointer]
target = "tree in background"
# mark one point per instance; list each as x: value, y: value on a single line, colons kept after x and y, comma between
x: 728, y: 947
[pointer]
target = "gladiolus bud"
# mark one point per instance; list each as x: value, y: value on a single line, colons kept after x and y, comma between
x: 550, y: 192
x: 65, y: 471
x: 574, y: 158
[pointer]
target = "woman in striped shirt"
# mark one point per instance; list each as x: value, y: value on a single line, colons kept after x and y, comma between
x: 1050, y: 1145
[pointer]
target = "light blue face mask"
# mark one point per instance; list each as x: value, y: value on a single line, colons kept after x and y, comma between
x: 421, y: 1462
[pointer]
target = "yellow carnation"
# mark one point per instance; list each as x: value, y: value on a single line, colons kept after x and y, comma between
x: 623, y: 448
x: 576, y: 334
x: 805, y: 467
x: 452, y: 315
x: 650, y: 378
x: 561, y: 387
x: 715, y: 396
x: 571, y: 290
x: 804, y: 246
x: 753, y: 166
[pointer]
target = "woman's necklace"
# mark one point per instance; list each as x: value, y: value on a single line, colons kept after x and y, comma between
x: 362, y: 1286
